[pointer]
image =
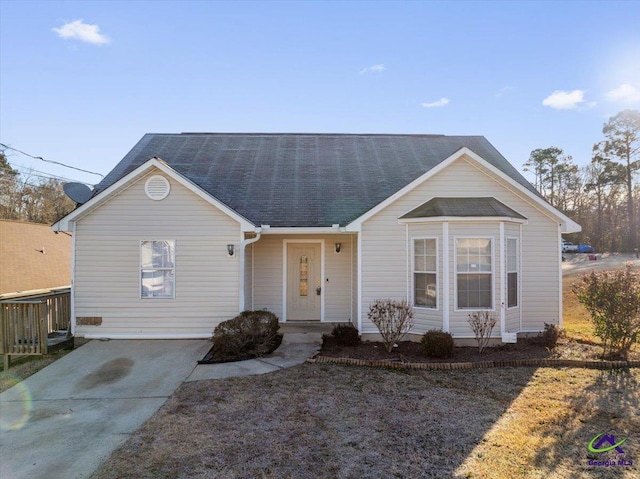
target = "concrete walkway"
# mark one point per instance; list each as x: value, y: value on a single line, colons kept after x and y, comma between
x: 66, y: 419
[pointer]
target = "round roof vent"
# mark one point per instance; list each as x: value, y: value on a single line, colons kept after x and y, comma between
x: 157, y: 187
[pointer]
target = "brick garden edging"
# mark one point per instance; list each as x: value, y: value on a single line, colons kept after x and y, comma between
x: 538, y: 362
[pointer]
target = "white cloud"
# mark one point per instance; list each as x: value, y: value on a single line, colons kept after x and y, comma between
x: 503, y: 90
x: 565, y: 100
x: 78, y: 30
x: 625, y: 93
x: 379, y: 68
x: 436, y: 104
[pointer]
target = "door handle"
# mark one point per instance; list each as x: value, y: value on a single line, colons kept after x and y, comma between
x: 318, y: 290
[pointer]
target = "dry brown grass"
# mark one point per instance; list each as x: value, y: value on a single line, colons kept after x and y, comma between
x: 577, y: 322
x: 545, y: 431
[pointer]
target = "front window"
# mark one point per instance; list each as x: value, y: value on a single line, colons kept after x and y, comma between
x: 474, y: 270
x: 157, y: 269
x: 425, y: 291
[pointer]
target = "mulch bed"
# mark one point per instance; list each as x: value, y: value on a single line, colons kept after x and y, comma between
x: 526, y: 352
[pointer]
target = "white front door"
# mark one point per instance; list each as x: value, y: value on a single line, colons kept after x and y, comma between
x: 304, y: 283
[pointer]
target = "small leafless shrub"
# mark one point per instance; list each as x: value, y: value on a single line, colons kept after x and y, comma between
x: 393, y: 319
x: 482, y: 323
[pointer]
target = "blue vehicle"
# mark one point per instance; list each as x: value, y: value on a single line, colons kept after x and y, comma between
x: 585, y: 248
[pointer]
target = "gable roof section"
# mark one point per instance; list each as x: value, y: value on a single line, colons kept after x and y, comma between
x: 567, y: 225
x: 303, y: 180
x: 33, y: 257
x: 466, y: 207
x: 124, y: 182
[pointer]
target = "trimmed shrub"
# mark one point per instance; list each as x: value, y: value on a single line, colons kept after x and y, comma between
x: 393, y: 319
x: 437, y: 344
x: 346, y: 335
x: 549, y: 337
x: 251, y: 334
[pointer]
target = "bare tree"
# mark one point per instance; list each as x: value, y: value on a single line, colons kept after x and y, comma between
x: 27, y: 197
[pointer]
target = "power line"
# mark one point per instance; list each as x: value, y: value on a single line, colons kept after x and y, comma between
x: 31, y: 171
x: 6, y: 147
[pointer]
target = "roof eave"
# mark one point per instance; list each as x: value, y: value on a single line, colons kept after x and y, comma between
x: 467, y: 219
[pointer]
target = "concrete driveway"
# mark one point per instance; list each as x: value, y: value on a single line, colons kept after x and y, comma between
x: 68, y: 418
x: 65, y: 420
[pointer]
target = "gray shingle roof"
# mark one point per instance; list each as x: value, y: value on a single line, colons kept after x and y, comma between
x: 462, y: 207
x: 303, y: 179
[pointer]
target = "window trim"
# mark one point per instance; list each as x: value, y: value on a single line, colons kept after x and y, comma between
x: 141, y: 269
x: 455, y: 273
x: 507, y: 271
x: 413, y: 272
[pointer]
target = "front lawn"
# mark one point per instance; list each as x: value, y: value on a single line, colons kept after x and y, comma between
x: 327, y: 421
x: 330, y: 421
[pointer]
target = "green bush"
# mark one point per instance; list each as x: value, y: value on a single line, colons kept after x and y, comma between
x: 437, y: 344
x: 251, y: 334
x: 346, y: 335
x: 613, y: 301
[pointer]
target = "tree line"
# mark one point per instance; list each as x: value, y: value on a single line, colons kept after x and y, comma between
x: 602, y: 196
x: 31, y: 197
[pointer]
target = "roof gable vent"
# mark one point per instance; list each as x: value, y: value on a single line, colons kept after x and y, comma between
x: 157, y: 187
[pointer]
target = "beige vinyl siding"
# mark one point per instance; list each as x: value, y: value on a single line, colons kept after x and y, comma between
x: 107, y: 280
x: 268, y: 274
x: 384, y: 261
x: 384, y: 253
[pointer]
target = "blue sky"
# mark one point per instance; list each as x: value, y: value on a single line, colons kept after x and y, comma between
x: 82, y: 81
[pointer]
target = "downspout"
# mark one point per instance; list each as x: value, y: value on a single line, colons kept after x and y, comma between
x: 72, y: 297
x: 502, y: 278
x: 243, y: 245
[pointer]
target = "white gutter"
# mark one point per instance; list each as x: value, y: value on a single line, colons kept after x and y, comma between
x: 310, y: 230
x: 243, y: 245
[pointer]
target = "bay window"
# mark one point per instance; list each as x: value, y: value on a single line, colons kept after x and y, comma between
x: 474, y: 273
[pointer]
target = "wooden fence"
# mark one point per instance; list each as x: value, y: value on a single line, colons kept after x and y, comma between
x: 26, y: 323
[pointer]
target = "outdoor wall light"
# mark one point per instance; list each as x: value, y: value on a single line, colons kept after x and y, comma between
x: 230, y: 249
x: 338, y: 247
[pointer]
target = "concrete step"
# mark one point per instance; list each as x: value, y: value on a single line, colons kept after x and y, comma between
x: 307, y: 327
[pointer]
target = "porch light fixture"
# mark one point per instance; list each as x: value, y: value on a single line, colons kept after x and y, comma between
x: 230, y: 249
x: 338, y: 247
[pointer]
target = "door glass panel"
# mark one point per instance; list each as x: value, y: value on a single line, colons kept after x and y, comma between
x: 304, y: 275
